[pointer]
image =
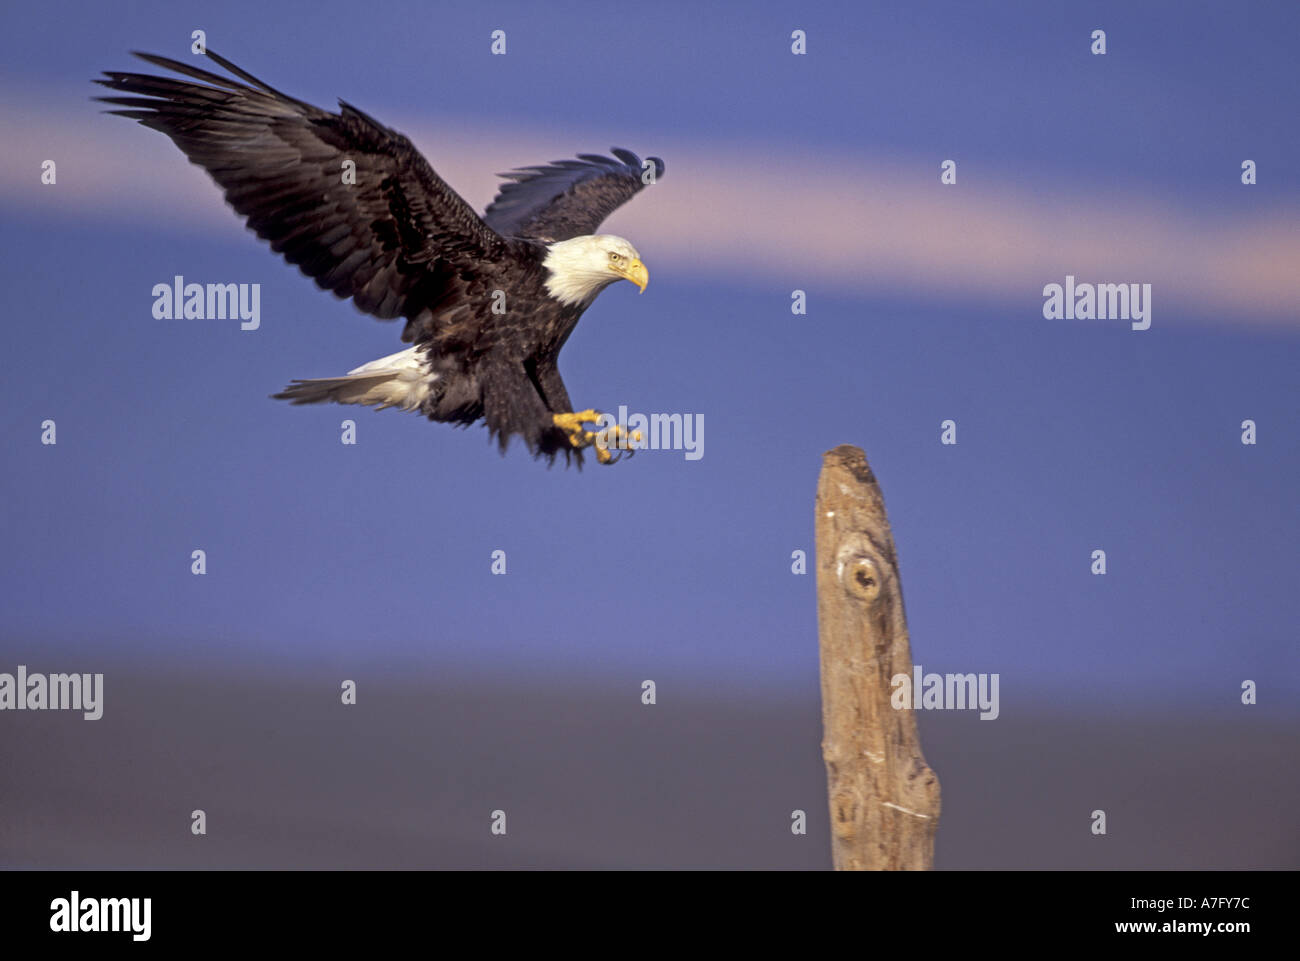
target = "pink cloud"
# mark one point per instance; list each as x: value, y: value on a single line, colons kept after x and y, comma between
x: 749, y: 212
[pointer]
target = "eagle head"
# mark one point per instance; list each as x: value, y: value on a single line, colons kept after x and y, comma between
x: 581, y: 268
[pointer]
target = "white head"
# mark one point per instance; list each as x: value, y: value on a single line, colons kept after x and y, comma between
x: 584, y: 266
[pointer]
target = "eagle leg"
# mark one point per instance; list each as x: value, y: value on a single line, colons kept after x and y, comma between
x: 572, y: 423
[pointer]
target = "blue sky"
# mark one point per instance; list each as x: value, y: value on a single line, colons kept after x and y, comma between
x: 1072, y: 436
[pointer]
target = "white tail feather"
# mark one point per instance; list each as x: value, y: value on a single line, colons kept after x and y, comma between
x: 400, y: 380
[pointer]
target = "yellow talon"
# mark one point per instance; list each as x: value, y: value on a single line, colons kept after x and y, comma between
x: 579, y: 436
x: 572, y: 423
x: 621, y: 439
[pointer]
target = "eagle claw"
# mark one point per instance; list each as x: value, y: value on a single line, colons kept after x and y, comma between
x: 572, y: 423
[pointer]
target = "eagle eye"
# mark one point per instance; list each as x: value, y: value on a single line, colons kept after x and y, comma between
x: 615, y: 257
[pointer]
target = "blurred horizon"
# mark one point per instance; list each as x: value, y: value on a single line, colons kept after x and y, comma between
x: 592, y: 779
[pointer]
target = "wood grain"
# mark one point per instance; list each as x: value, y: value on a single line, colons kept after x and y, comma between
x: 884, y: 799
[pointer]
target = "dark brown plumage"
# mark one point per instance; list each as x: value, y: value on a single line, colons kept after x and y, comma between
x: 398, y: 240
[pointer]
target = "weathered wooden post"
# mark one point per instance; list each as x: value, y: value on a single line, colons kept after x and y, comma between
x: 884, y: 799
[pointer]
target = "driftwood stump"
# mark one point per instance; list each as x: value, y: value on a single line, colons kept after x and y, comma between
x: 884, y: 799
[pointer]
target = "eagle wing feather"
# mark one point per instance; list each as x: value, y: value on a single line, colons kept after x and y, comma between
x: 567, y: 198
x: 394, y: 241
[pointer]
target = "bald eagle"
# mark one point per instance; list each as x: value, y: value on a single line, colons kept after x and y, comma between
x: 488, y: 301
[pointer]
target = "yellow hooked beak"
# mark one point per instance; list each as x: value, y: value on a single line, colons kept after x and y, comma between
x: 634, y: 271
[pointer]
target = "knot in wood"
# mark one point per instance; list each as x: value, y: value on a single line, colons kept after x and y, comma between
x: 858, y: 571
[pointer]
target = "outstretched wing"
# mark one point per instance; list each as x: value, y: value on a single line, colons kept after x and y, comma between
x: 569, y: 198
x: 395, y: 239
